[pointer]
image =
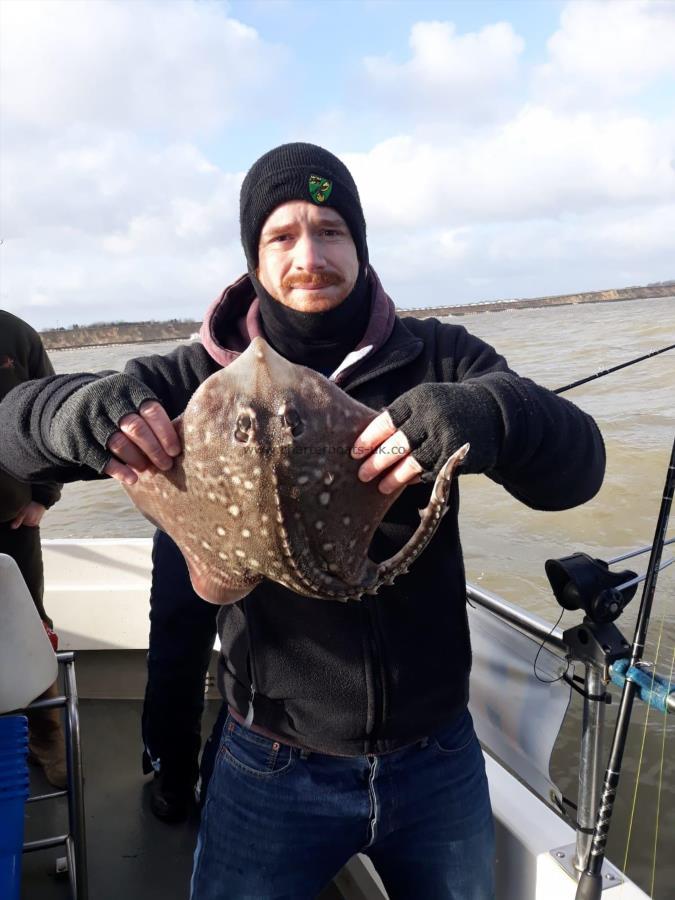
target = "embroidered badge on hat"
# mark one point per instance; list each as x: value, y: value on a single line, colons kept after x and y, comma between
x: 319, y: 188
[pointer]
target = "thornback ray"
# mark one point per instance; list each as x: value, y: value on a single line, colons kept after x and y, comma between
x: 266, y: 487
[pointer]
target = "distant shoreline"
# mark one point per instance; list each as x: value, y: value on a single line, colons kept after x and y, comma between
x: 175, y: 330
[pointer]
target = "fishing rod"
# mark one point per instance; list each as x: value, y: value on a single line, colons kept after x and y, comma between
x: 611, y: 562
x: 590, y: 881
x: 623, y: 365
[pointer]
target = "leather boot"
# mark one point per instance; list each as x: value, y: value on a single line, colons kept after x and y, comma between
x: 46, y: 741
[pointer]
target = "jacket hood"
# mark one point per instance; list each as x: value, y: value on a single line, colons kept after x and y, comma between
x: 233, y: 320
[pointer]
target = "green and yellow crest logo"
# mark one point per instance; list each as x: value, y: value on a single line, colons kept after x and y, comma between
x: 319, y: 188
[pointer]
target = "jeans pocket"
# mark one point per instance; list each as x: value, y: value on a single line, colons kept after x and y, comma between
x: 456, y: 737
x: 253, y: 753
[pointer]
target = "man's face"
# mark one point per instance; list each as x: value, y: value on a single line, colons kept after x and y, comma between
x: 306, y: 257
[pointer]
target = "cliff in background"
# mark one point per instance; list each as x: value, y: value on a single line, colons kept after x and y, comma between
x: 117, y: 333
x: 179, y: 329
x: 649, y: 292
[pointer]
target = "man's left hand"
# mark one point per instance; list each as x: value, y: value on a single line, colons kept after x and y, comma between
x: 385, y: 449
x: 30, y: 516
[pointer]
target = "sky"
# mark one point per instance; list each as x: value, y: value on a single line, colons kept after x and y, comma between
x: 501, y: 149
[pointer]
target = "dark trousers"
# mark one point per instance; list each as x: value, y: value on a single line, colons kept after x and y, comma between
x: 182, y: 632
x: 23, y: 545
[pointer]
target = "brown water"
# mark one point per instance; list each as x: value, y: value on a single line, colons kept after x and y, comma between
x: 506, y: 544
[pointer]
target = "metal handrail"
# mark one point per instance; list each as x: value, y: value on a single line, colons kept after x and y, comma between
x: 528, y: 622
x: 74, y: 841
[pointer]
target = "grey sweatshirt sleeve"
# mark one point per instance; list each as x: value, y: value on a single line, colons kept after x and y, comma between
x: 543, y: 449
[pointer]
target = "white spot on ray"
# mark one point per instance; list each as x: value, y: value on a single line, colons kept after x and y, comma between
x: 233, y: 510
x: 240, y: 554
x: 303, y: 479
x: 319, y: 525
x: 324, y: 498
x: 346, y: 520
x: 245, y: 533
x: 220, y: 530
x: 248, y: 485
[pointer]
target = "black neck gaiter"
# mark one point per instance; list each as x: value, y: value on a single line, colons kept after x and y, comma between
x: 320, y: 340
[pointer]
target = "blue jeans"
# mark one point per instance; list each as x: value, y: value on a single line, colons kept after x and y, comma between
x: 279, y: 823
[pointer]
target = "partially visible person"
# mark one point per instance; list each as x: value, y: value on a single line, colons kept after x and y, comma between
x: 22, y: 506
x: 182, y: 634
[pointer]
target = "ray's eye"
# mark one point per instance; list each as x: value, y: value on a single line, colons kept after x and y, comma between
x: 243, y: 428
x: 291, y: 419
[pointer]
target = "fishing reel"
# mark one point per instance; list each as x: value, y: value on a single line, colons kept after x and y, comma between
x: 581, y: 582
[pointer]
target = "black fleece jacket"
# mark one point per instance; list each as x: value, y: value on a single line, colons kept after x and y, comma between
x: 363, y: 677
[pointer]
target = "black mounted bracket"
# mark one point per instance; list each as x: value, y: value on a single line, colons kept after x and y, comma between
x: 581, y: 582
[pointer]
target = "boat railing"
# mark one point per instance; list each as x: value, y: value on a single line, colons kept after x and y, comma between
x: 598, y: 672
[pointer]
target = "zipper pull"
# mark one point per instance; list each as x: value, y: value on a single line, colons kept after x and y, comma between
x: 249, y: 715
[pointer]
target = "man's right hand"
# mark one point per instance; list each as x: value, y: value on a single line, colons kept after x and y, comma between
x: 147, y: 438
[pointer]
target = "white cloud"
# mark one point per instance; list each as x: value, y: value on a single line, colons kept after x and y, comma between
x: 118, y: 225
x: 532, y: 257
x: 447, y: 73
x: 540, y: 163
x: 109, y: 206
x: 120, y: 200
x: 146, y: 65
x: 604, y: 51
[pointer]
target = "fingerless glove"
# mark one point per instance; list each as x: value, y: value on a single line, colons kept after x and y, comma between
x: 83, y: 424
x: 438, y: 419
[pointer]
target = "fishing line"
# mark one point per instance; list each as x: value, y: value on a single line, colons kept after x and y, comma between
x: 658, y: 796
x: 590, y: 881
x: 642, y: 746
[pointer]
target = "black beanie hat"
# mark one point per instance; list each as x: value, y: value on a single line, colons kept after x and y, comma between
x: 298, y: 172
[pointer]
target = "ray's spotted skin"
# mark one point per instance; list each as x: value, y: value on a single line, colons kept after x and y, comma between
x: 266, y: 487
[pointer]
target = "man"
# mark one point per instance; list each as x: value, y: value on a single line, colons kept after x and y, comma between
x: 22, y: 506
x: 348, y: 727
